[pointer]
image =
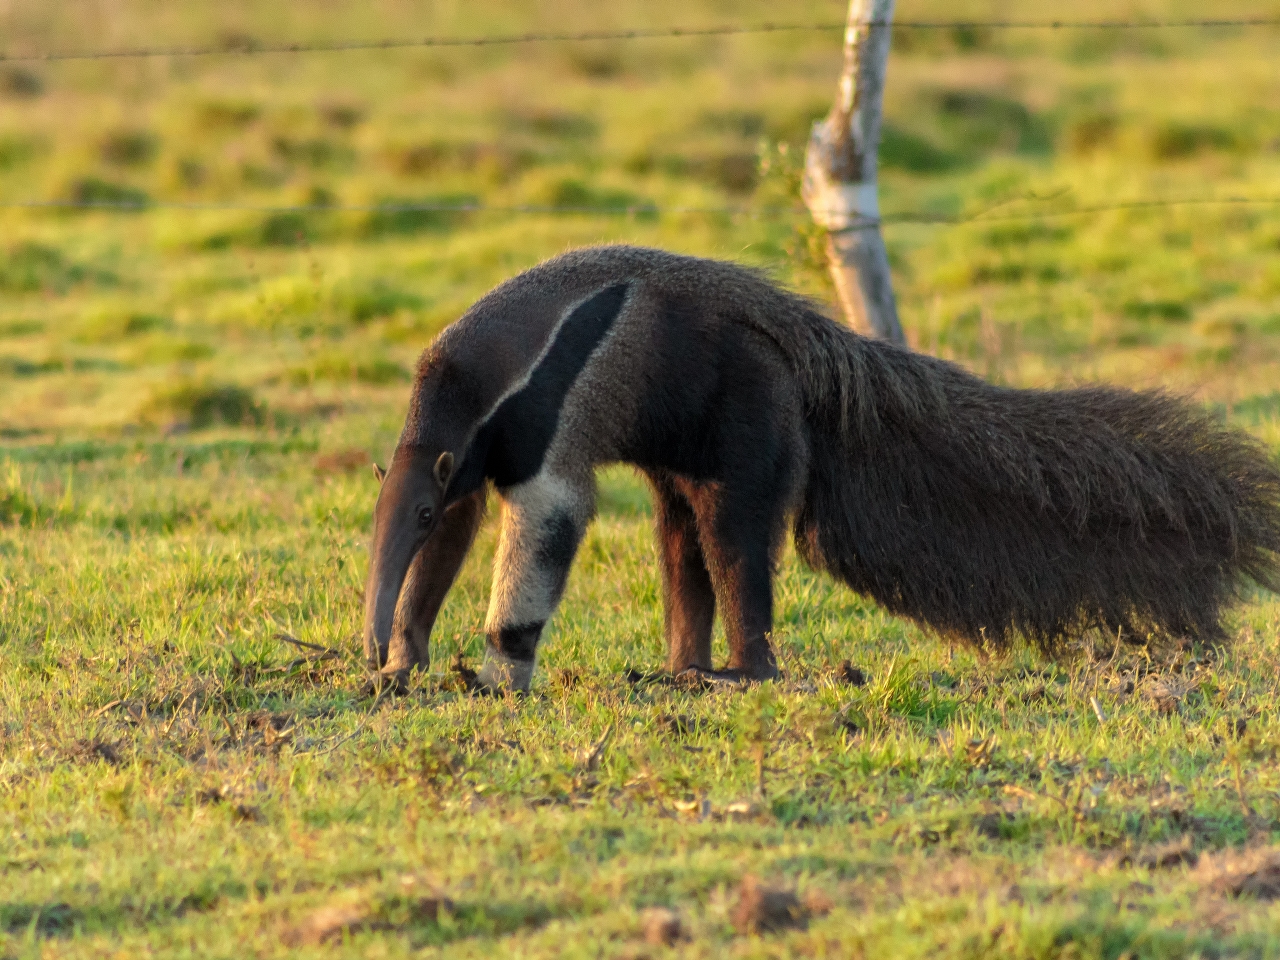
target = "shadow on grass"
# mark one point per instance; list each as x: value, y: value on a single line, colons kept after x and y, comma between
x: 57, y: 918
x: 472, y: 920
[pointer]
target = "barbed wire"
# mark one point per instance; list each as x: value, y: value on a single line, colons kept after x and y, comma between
x: 242, y: 46
x: 139, y: 206
x: 986, y: 215
x: 1086, y: 210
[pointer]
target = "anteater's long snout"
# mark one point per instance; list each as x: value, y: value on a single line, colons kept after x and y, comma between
x: 381, y: 593
x: 394, y: 547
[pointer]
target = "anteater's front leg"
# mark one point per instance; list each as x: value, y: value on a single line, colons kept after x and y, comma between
x: 543, y: 521
x: 689, y: 601
x: 430, y: 576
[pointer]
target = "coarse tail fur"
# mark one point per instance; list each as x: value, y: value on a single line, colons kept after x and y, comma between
x: 982, y: 512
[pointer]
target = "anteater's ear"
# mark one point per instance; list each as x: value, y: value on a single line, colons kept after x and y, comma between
x: 444, y: 469
x: 379, y: 472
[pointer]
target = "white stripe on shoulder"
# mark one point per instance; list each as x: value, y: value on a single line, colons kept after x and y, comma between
x: 523, y: 381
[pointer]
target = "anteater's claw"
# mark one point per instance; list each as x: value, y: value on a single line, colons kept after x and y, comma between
x: 696, y: 678
x: 393, y: 683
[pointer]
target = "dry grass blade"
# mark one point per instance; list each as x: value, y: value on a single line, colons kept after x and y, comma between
x: 1028, y: 794
x: 322, y: 652
x: 980, y: 752
x: 1097, y: 710
x: 589, y: 757
x: 383, y: 693
x: 177, y: 711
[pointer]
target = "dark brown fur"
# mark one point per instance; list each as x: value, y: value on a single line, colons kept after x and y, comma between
x: 987, y: 512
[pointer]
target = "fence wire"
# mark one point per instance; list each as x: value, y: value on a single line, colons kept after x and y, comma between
x: 645, y: 210
x: 246, y: 46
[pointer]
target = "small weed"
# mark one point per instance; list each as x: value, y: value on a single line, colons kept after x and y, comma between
x: 374, y: 301
x: 17, y: 505
x: 336, y: 367
x: 197, y: 405
x: 596, y: 61
x: 287, y: 230
x: 314, y: 152
x: 21, y: 83
x: 130, y: 148
x: 43, y: 919
x: 342, y: 114
x: 405, y: 216
x: 94, y: 192
x: 902, y: 150
x: 1091, y: 132
x: 30, y: 267
x: 111, y: 326
x: 974, y: 120
x: 1171, y: 310
x: 555, y: 124
x: 227, y: 114
x: 1176, y: 141
x: 17, y: 151
x: 21, y: 328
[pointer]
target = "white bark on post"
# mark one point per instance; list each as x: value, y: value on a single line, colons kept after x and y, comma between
x: 840, y: 176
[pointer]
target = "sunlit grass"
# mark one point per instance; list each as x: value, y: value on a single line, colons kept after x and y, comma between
x: 189, y: 400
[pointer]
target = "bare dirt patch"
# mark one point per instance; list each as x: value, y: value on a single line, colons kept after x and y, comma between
x: 1168, y: 855
x: 1254, y: 873
x: 92, y: 751
x: 853, y: 676
x: 333, y: 921
x: 765, y: 909
x: 661, y: 927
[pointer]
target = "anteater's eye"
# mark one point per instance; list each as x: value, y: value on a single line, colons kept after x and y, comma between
x: 424, y: 517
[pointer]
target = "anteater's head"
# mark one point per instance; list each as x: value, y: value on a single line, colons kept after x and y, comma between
x: 438, y: 462
x: 411, y: 502
x: 518, y: 349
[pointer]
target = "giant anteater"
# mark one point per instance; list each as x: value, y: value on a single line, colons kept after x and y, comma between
x: 979, y: 511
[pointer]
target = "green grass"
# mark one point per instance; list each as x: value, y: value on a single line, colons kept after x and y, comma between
x: 189, y: 401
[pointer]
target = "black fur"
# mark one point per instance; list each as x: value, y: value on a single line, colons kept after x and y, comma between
x: 519, y: 432
x: 518, y: 643
x: 559, y: 542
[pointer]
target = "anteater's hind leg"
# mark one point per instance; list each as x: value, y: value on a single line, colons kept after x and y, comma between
x: 738, y: 530
x: 430, y: 576
x: 543, y: 520
x: 689, y: 601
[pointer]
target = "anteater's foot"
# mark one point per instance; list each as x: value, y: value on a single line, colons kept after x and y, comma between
x: 642, y: 678
x: 387, y: 682
x: 698, y: 678
x: 500, y: 674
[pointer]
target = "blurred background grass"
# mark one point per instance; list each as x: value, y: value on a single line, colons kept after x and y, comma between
x: 189, y: 400
x: 185, y: 319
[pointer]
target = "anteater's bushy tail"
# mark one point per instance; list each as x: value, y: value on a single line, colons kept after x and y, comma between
x: 986, y: 512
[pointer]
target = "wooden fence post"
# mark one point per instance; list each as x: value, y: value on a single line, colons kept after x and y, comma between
x: 840, y: 176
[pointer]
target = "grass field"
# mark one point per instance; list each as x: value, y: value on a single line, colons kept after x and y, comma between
x: 189, y: 400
